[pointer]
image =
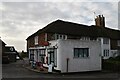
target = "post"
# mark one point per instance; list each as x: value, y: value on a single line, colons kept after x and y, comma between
x: 67, y: 64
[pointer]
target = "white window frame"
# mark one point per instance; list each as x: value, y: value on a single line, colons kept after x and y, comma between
x: 106, y: 41
x: 79, y: 54
x: 106, y: 52
x: 85, y: 38
x: 60, y: 36
x: 36, y: 40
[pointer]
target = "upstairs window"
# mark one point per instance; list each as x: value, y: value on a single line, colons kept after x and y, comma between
x: 60, y: 36
x: 105, y: 41
x: 81, y: 52
x: 84, y: 38
x: 118, y: 42
x: 36, y: 40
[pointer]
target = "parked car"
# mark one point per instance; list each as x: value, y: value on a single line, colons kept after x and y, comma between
x: 5, y: 60
x: 17, y: 57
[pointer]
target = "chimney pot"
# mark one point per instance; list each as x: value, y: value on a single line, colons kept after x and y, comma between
x: 100, y: 21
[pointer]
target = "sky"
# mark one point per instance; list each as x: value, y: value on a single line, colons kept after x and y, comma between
x: 21, y: 19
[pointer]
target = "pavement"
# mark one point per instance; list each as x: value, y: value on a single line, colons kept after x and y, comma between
x: 28, y: 66
x: 18, y: 71
x: 36, y: 70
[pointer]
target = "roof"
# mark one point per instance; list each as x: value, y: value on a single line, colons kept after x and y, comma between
x: 70, y: 28
x: 9, y: 49
x: 3, y: 43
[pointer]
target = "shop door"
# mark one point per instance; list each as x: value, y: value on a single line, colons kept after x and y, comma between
x: 51, y: 57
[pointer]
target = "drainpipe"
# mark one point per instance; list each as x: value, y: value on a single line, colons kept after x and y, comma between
x: 67, y: 64
x: 46, y: 52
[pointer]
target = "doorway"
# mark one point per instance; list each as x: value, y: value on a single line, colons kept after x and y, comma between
x: 51, y: 57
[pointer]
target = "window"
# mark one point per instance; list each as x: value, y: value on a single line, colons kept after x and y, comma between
x: 118, y: 42
x: 60, y: 36
x: 36, y: 40
x: 98, y: 39
x: 85, y: 38
x: 41, y: 55
x: 105, y: 41
x: 42, y: 52
x: 31, y: 55
x: 81, y: 52
x: 11, y: 49
x: 57, y: 36
x: 93, y: 38
x: 64, y: 36
x: 106, y: 53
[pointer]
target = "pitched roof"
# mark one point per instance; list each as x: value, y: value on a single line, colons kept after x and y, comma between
x: 3, y: 43
x: 9, y: 49
x: 69, y: 28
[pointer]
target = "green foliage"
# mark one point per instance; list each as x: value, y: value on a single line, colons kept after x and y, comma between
x: 114, y: 59
x: 117, y: 58
x: 24, y: 54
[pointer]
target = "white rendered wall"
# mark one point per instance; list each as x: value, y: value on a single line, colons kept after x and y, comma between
x: 66, y: 50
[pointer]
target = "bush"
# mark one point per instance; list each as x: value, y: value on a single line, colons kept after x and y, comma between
x: 24, y: 54
x: 114, y: 59
x: 111, y: 58
x: 117, y: 58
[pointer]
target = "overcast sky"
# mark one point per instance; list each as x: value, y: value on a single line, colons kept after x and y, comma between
x: 21, y: 19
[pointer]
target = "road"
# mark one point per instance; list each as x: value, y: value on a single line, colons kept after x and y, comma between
x: 16, y: 71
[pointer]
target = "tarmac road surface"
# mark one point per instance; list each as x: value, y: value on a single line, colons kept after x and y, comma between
x: 16, y: 71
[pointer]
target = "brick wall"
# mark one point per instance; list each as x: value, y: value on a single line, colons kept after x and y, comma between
x: 41, y: 39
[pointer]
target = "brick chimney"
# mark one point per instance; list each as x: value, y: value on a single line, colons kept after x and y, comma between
x: 100, y: 21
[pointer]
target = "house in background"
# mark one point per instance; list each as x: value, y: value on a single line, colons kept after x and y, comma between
x: 8, y: 53
x: 11, y: 53
x: 73, y: 47
x: 110, y: 39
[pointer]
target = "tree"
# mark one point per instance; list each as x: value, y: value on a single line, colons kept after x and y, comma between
x: 23, y: 54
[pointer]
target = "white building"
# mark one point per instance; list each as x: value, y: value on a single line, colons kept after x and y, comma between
x: 74, y: 47
x: 78, y: 57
